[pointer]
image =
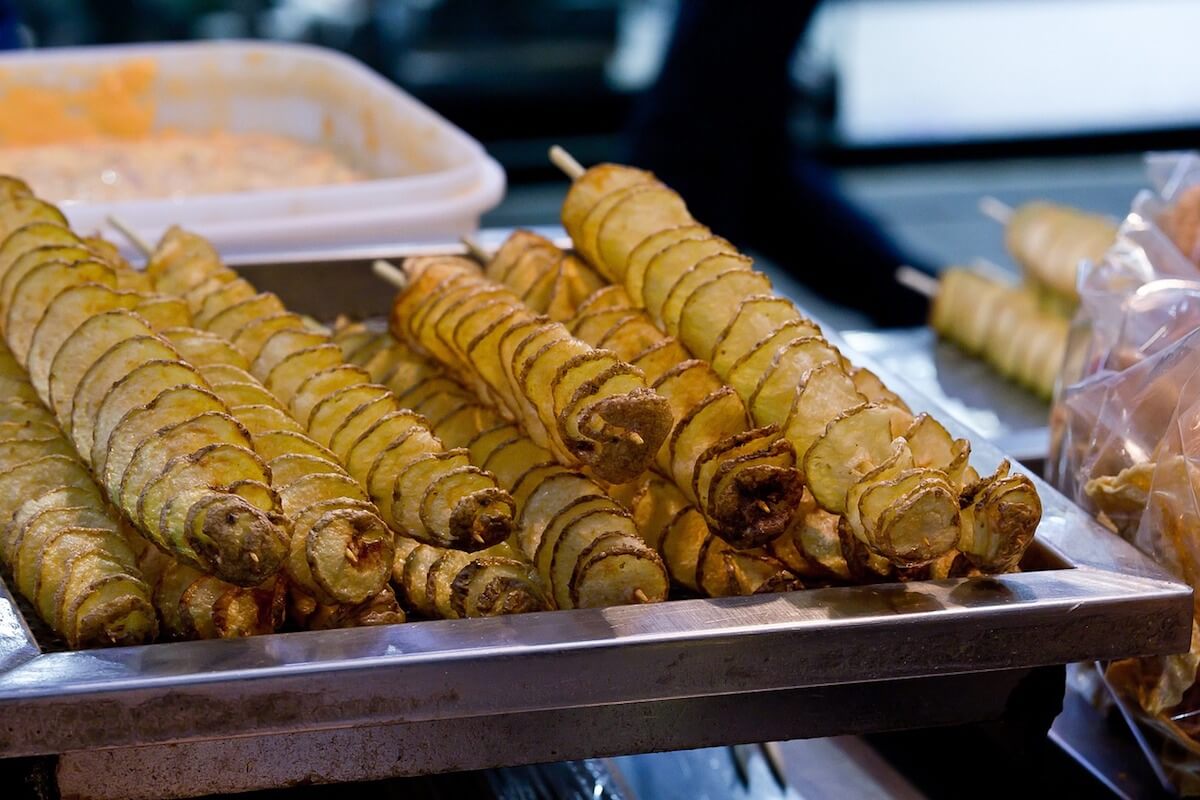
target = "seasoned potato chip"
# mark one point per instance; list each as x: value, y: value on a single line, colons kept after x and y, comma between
x: 181, y: 260
x: 826, y: 394
x: 330, y: 412
x: 586, y: 238
x: 755, y: 318
x: 163, y: 312
x: 282, y: 345
x: 34, y: 292
x: 851, y: 446
x: 33, y: 235
x: 259, y: 419
x: 631, y: 221
x: 243, y: 393
x: 27, y: 261
x: 645, y: 250
x: 322, y: 384
x: 140, y: 387
x: 204, y: 349
x: 596, y: 183
x: 82, y: 348
x: 707, y: 311
x: 116, y: 363
x: 251, y: 337
x: 702, y: 272
x: 211, y: 467
x: 287, y: 376
x: 775, y: 394
x: 221, y: 298
x: 272, y: 444
x: 233, y: 319
x: 670, y: 264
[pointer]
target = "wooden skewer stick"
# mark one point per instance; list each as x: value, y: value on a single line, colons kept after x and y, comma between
x: 390, y: 273
x: 919, y: 282
x: 640, y: 596
x: 995, y: 209
x: 992, y: 271
x: 130, y: 235
x: 475, y: 249
x: 566, y: 162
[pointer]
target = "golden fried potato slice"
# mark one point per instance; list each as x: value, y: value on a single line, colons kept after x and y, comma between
x: 181, y: 260
x: 753, y: 498
x: 74, y: 529
x: 225, y: 373
x: 251, y: 336
x: 507, y: 255
x: 27, y: 431
x: 640, y: 256
x: 592, y: 325
x: 82, y: 348
x: 36, y: 477
x: 34, y: 292
x: 66, y: 497
x: 615, y: 568
x: 330, y: 412
x: 28, y: 260
x: 11, y: 187
x: 713, y: 307
x: 827, y: 393
x: 345, y: 554
x: 595, y: 184
x: 659, y: 359
x: 22, y: 209
x: 222, y: 298
x: 322, y: 384
x: 233, y: 319
x: 291, y: 466
x: 224, y: 534
x: 287, y: 376
x: 24, y: 411
x: 36, y: 234
x: 169, y: 407
x: 213, y: 467
x: 755, y: 318
x: 283, y: 344
x: 151, y: 456
x: 138, y: 388
x: 851, y: 446
x: 358, y: 422
x: 392, y: 458
x: 67, y: 311
x: 495, y: 585
x: 932, y: 445
x: 272, y: 444
x: 243, y: 393
x: 702, y: 273
x: 685, y: 385
x: 716, y: 417
x: 16, y: 451
x: 117, y: 362
x: 194, y: 297
x: 260, y: 419
x: 389, y: 428
x: 202, y: 348
x: 743, y: 371
x: 163, y: 312
x: 446, y: 485
x: 308, y: 490
x: 671, y: 263
x: 639, y: 215
x: 775, y: 394
x: 921, y: 526
x: 586, y: 238
x: 871, y: 387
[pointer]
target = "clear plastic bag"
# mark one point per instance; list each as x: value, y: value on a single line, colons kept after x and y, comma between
x: 1125, y: 428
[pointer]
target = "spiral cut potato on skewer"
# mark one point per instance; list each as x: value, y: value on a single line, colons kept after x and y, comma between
x: 60, y: 544
x: 898, y: 480
x: 694, y: 558
x: 341, y: 552
x: 420, y: 488
x: 105, y: 362
x: 742, y: 479
x: 1002, y: 324
x: 1049, y: 241
x: 585, y: 405
x: 583, y: 544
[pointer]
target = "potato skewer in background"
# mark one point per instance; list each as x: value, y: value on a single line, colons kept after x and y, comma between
x: 1002, y: 324
x: 742, y: 479
x: 420, y: 488
x: 61, y: 546
x: 583, y: 404
x: 900, y: 498
x: 221, y: 517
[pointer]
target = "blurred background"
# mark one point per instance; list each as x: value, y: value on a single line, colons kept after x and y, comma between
x: 917, y: 107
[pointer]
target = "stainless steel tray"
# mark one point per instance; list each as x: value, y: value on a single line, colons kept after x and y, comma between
x: 201, y: 717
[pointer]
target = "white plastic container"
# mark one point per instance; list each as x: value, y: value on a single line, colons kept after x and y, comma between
x: 429, y: 180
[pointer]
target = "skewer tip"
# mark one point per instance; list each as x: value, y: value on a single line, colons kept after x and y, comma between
x: 566, y: 162
x: 640, y: 596
x: 130, y: 235
x: 996, y: 209
x: 475, y: 249
x: 390, y: 273
x: 919, y: 282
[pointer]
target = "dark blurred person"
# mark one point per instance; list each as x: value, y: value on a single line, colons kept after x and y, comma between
x: 715, y: 127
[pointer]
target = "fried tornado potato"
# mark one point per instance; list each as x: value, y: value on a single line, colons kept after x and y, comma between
x: 743, y: 479
x: 776, y: 360
x: 450, y: 584
x: 380, y: 609
x: 195, y: 605
x: 60, y: 543
x: 695, y: 558
x: 420, y: 488
x: 584, y: 545
x: 217, y: 521
x: 584, y: 404
x: 548, y: 280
